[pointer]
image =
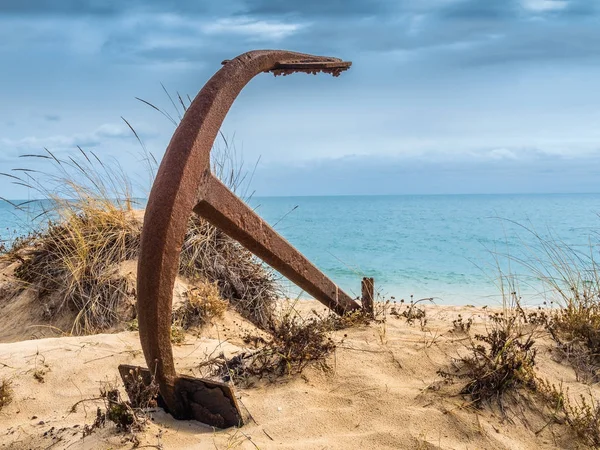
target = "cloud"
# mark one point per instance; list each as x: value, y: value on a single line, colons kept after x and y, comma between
x: 478, y: 10
x: 318, y: 8
x: 257, y: 29
x: 473, y: 32
x: 527, y: 171
x: 483, y: 82
x: 503, y: 153
x: 465, y: 31
x: 95, y: 7
x: 10, y: 148
x: 545, y: 5
x: 41, y: 7
x: 166, y: 38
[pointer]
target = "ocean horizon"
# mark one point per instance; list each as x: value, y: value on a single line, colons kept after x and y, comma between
x: 449, y: 247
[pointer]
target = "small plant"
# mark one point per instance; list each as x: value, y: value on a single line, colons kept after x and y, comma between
x: 118, y: 411
x: 539, y: 317
x: 461, y: 325
x: 583, y: 417
x: 335, y: 322
x: 128, y: 417
x: 203, y: 303
x: 133, y: 325
x: 294, y: 344
x: 99, y: 422
x: 585, y: 420
x: 6, y: 393
x: 41, y: 368
x: 413, y: 311
x: 498, y: 362
x: 142, y: 393
x: 39, y: 375
x: 177, y: 335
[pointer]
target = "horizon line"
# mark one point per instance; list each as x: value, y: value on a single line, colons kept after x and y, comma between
x: 9, y: 200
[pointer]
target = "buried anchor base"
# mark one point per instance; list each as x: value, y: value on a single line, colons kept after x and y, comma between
x: 206, y: 401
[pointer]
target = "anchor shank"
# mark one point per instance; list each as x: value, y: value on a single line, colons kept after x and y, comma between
x: 219, y: 206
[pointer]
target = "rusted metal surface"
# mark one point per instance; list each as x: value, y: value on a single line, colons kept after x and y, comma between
x: 207, y: 401
x: 184, y: 183
x: 367, y: 295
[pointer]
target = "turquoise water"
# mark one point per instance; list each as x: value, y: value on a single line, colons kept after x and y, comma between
x: 444, y: 247
x: 426, y: 246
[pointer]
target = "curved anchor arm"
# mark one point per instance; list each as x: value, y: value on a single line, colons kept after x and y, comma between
x: 184, y: 184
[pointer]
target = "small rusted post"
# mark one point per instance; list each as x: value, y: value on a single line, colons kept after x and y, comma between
x: 368, y: 293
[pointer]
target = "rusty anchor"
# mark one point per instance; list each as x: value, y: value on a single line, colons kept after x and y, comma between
x: 185, y: 184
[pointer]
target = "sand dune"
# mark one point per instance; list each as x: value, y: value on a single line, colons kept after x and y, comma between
x: 382, y: 392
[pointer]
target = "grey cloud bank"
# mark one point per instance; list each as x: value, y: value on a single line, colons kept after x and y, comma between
x: 465, y: 96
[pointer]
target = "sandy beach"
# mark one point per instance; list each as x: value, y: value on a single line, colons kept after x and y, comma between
x: 382, y: 391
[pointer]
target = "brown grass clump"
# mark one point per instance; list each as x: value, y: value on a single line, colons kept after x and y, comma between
x: 6, y: 393
x: 73, y: 263
x: 294, y: 343
x: 583, y: 417
x: 500, y: 361
x: 576, y: 331
x: 202, y: 304
x: 249, y: 286
x: 128, y: 417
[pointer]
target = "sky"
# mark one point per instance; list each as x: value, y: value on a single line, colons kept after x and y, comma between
x: 443, y: 97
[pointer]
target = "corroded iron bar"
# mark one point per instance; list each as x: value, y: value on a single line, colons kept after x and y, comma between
x: 174, y: 195
x: 222, y: 208
x: 367, y: 295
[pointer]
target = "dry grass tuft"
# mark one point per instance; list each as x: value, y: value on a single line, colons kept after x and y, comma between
x: 576, y: 331
x: 74, y: 265
x: 128, y: 417
x: 497, y: 363
x: 6, y: 393
x: 73, y: 262
x: 500, y: 361
x: 583, y: 417
x: 247, y: 284
x: 572, y: 276
x: 203, y: 303
x: 294, y: 343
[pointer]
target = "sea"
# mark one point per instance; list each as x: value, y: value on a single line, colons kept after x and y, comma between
x: 453, y: 249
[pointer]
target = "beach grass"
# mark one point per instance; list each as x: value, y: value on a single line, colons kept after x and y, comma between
x: 93, y: 226
x: 6, y: 393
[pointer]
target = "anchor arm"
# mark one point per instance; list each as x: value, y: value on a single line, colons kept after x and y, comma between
x: 222, y: 208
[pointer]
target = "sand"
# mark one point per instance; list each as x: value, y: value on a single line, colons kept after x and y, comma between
x: 382, y: 391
